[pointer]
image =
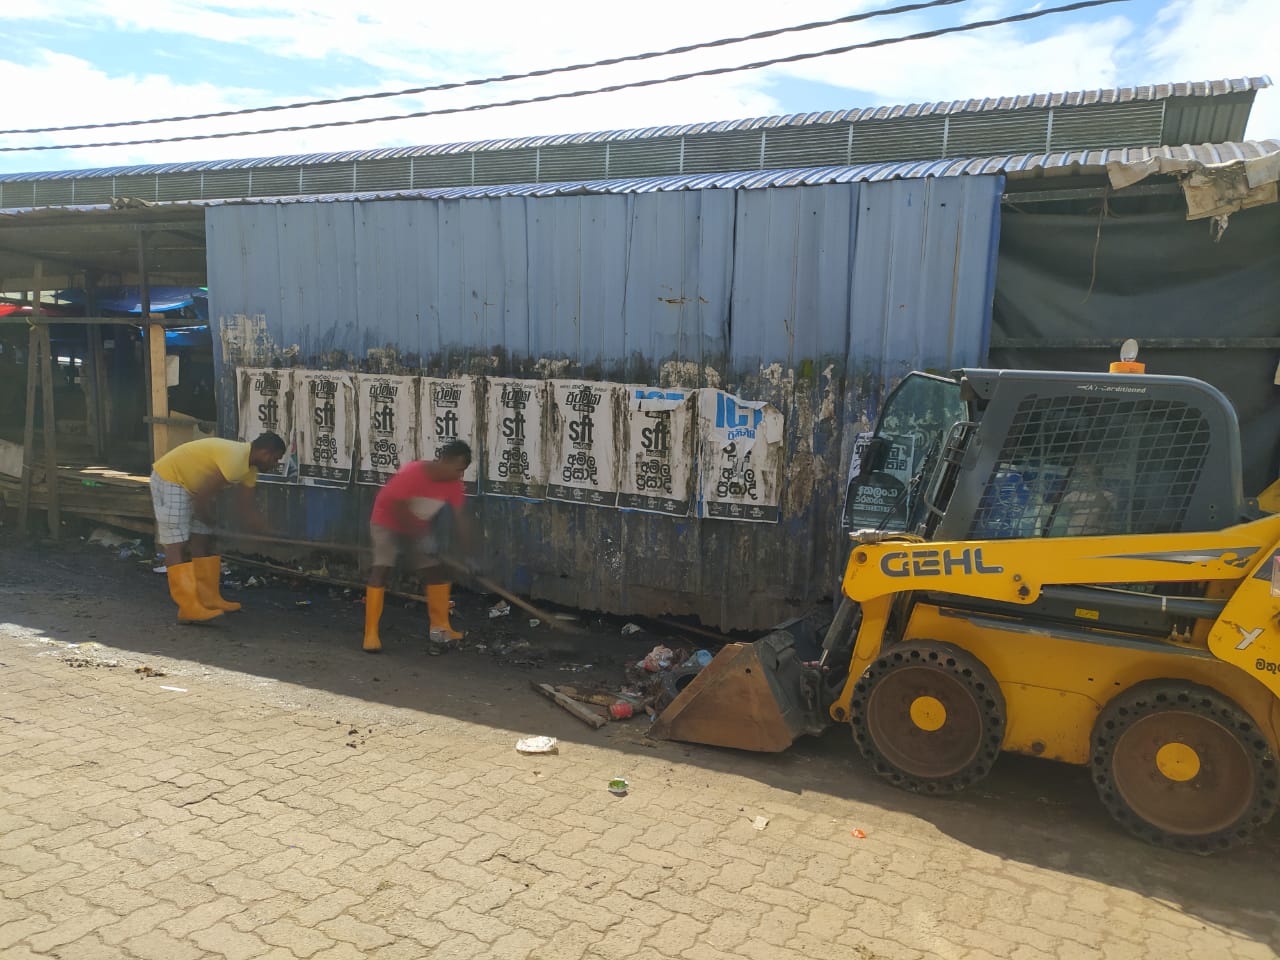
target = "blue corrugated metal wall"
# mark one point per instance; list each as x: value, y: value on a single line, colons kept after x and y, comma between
x: 815, y: 298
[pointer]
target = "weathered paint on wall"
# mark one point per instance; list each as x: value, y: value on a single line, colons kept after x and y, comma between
x: 813, y: 298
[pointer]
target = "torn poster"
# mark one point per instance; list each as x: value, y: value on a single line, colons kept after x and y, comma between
x: 450, y: 412
x: 585, y: 433
x: 740, y: 458
x: 388, y: 419
x: 326, y: 427
x: 266, y: 406
x: 657, y: 469
x: 514, y: 448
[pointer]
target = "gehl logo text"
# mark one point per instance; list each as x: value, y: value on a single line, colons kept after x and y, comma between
x: 936, y: 563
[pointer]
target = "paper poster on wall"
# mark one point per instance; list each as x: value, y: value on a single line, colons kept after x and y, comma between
x: 325, y: 427
x: 388, y: 425
x: 514, y: 448
x: 266, y: 406
x: 657, y: 465
x: 450, y: 411
x: 585, y: 434
x: 878, y: 500
x: 740, y: 458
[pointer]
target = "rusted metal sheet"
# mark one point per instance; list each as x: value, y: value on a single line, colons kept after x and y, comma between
x: 812, y: 298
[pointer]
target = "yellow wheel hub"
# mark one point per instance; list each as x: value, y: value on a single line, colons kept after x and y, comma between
x: 1177, y: 761
x: 928, y: 713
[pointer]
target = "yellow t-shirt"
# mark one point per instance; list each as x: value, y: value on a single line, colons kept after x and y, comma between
x: 193, y: 463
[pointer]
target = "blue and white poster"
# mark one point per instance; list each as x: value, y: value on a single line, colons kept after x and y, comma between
x: 740, y: 458
x: 657, y: 471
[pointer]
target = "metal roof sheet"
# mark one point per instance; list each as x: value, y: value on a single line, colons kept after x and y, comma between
x: 1013, y: 167
x: 1207, y: 116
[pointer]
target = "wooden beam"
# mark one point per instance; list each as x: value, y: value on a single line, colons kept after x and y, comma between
x: 29, y: 429
x: 50, y: 421
x: 159, y: 416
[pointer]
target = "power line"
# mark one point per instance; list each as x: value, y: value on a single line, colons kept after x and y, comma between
x: 545, y: 72
x: 717, y: 71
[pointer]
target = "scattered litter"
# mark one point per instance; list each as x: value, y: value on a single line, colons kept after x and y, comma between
x: 700, y: 658
x: 621, y: 710
x: 255, y: 582
x: 857, y: 834
x: 535, y: 622
x: 175, y: 689
x: 160, y: 569
x: 499, y: 609
x: 566, y: 616
x: 226, y: 570
x: 576, y: 667
x: 106, y: 538
x: 659, y: 658
x: 760, y: 822
x: 302, y: 603
x: 537, y: 745
x: 149, y: 672
x: 630, y: 628
x: 618, y: 787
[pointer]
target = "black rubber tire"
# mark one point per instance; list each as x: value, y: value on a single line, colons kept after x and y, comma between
x: 1236, y: 784
x: 955, y: 755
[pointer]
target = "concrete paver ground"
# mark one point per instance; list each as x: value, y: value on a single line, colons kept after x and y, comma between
x: 277, y: 794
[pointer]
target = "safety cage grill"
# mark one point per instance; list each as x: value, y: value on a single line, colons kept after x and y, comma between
x: 1090, y: 466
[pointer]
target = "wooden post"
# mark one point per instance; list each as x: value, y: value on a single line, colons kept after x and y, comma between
x: 29, y: 430
x: 92, y: 372
x: 158, y: 386
x: 39, y: 363
x: 159, y: 392
x: 50, y: 430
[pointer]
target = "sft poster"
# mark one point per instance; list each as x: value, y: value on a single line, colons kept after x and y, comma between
x: 657, y: 470
x: 740, y: 458
x: 325, y: 427
x: 388, y: 417
x: 585, y: 435
x: 450, y: 411
x: 266, y: 406
x: 515, y: 462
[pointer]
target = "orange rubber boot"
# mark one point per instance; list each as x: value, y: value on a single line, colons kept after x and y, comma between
x: 209, y: 586
x: 438, y: 612
x: 182, y: 587
x: 373, y: 599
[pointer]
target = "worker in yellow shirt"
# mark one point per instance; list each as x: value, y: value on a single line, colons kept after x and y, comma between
x: 185, y: 484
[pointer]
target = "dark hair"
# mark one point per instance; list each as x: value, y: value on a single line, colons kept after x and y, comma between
x: 269, y: 441
x: 455, y: 450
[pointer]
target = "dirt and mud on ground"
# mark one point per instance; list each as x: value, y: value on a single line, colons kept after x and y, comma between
x: 204, y: 791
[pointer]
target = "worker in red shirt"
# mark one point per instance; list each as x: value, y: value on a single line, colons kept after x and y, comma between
x: 402, y: 518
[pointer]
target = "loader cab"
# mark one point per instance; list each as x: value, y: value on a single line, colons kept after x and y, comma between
x: 1007, y: 454
x: 889, y: 465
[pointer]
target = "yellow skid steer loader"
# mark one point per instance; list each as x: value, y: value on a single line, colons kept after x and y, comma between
x: 1055, y: 564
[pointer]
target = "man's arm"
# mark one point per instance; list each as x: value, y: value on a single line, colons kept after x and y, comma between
x: 247, y: 509
x: 204, y: 499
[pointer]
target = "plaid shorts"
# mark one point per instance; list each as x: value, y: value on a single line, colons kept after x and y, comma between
x: 175, y: 514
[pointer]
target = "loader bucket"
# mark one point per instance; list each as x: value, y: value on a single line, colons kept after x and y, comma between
x: 750, y: 697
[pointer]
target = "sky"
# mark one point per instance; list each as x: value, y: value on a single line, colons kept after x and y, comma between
x: 96, y: 61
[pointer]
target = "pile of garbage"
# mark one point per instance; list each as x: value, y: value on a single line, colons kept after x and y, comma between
x: 650, y: 684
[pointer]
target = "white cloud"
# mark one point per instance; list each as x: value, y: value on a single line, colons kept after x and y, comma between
x: 417, y: 45
x: 1212, y: 39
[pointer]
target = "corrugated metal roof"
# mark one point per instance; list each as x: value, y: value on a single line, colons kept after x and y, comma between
x: 1217, y: 120
x: 1014, y: 167
x: 1018, y: 166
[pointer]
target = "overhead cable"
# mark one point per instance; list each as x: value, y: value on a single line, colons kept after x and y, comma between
x: 506, y: 78
x: 613, y: 88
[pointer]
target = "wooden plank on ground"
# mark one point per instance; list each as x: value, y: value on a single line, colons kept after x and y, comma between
x: 589, y: 717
